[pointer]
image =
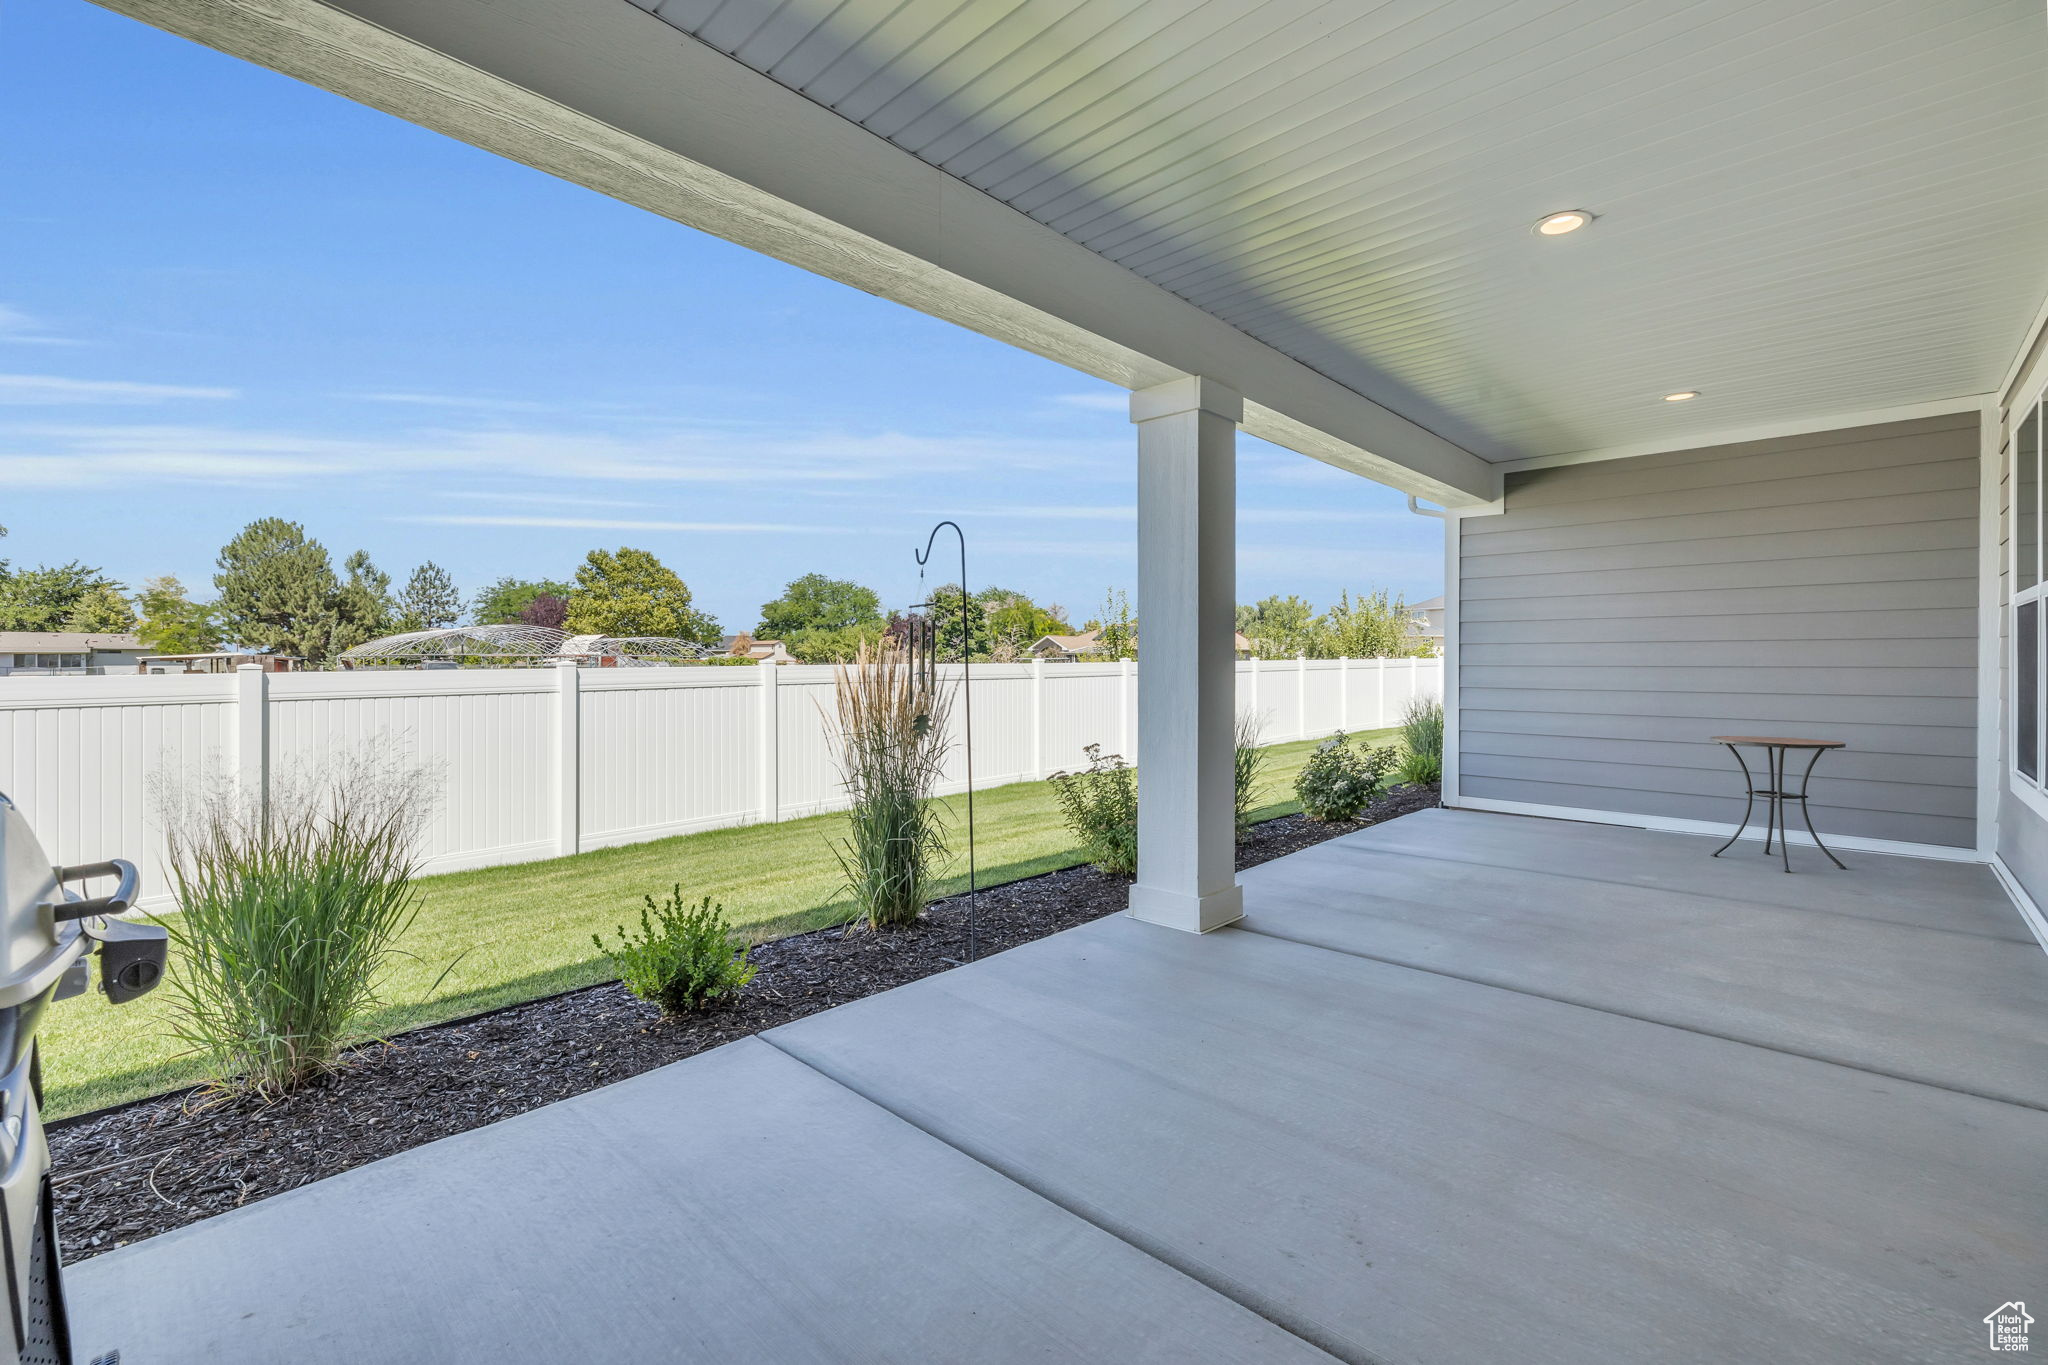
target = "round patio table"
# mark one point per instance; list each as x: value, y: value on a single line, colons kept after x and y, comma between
x: 1777, y: 750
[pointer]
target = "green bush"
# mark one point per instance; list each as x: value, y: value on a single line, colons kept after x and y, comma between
x: 1339, y: 781
x: 1248, y: 763
x: 1100, y: 803
x: 288, y: 914
x: 1420, y: 770
x: 684, y: 956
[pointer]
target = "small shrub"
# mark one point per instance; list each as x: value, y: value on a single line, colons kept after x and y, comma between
x: 892, y: 749
x: 1249, y: 762
x: 1420, y: 770
x: 684, y: 956
x: 288, y: 913
x: 1100, y: 803
x: 1339, y: 781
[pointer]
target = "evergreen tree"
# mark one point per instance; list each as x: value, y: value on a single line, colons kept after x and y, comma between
x: 70, y: 596
x: 429, y: 601
x: 362, y: 605
x: 630, y: 592
x: 173, y: 623
x: 278, y: 591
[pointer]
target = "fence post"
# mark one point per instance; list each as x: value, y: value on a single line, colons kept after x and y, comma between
x: 1379, y: 701
x: 1254, y: 708
x: 1344, y: 692
x: 1123, y: 707
x: 771, y: 742
x: 1414, y: 677
x: 252, y: 737
x: 1301, y: 696
x: 1038, y: 765
x: 568, y: 757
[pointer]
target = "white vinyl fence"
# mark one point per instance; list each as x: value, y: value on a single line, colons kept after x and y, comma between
x: 539, y: 762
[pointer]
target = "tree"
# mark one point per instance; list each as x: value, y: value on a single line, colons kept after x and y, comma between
x: 1281, y: 627
x: 815, y: 602
x: 1378, y: 625
x: 278, y: 590
x: 173, y: 623
x: 822, y: 620
x: 1118, y: 638
x: 429, y: 601
x: 1015, y: 623
x: 507, y: 601
x: 70, y: 596
x: 630, y: 592
x: 362, y: 605
x: 546, y: 609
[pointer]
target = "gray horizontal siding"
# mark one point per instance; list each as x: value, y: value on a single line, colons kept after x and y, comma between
x: 1617, y: 615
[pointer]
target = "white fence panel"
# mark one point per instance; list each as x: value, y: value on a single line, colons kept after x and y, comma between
x: 536, y: 762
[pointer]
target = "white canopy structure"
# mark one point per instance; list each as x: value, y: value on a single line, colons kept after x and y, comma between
x: 516, y: 645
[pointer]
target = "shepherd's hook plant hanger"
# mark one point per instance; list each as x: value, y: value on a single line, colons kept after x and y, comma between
x: 967, y: 707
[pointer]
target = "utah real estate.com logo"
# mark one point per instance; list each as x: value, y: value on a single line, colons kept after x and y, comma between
x: 2007, y: 1326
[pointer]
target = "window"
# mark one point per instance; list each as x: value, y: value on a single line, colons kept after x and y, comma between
x: 2027, y: 592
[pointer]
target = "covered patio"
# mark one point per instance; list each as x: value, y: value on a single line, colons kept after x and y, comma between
x: 1459, y: 1087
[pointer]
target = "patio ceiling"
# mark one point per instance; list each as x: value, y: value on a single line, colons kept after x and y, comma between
x: 1803, y: 211
x: 1822, y: 207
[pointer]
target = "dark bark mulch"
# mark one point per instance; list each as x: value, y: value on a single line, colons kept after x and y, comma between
x: 125, y: 1174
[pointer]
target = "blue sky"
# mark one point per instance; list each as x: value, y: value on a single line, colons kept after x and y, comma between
x: 229, y: 295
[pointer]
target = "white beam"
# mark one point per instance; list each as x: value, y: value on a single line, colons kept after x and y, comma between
x: 605, y: 95
x: 1187, y: 602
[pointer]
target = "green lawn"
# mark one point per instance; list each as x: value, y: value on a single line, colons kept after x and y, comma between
x: 520, y: 932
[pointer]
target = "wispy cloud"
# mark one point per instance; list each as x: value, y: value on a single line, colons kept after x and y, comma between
x: 20, y: 329
x: 88, y: 455
x: 453, y: 402
x: 538, y: 499
x: 607, y: 524
x: 47, y: 389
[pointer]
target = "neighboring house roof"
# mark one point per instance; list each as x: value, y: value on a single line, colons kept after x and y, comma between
x: 62, y: 641
x: 1435, y: 603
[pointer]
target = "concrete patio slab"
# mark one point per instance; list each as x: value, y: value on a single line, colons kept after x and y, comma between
x: 736, y: 1207
x: 1126, y: 1143
x: 1909, y: 968
x: 1402, y: 1166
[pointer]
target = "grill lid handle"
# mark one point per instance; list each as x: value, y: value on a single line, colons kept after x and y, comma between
x: 123, y: 897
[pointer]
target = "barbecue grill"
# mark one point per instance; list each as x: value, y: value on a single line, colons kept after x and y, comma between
x: 48, y: 935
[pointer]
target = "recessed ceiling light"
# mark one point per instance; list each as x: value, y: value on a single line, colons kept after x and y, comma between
x: 1558, y: 224
x: 1681, y: 396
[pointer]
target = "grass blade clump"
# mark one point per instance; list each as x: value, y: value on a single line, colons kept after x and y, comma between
x: 287, y: 915
x: 892, y: 752
x: 1422, y: 737
x: 684, y: 957
x: 1100, y: 803
x: 1248, y: 764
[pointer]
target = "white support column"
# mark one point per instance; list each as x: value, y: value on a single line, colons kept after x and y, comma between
x: 568, y: 758
x: 252, y: 737
x: 1187, y: 590
x: 771, y: 742
x: 1039, y: 767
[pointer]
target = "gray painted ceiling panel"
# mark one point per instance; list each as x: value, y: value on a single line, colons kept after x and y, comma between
x: 1805, y: 209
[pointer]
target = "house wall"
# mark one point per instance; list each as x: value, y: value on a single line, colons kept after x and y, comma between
x: 1618, y: 614
x: 2022, y: 836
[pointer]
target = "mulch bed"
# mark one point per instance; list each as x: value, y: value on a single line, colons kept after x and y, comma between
x: 125, y: 1174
